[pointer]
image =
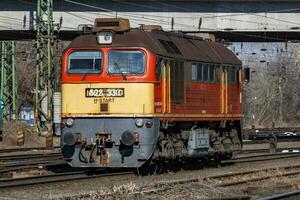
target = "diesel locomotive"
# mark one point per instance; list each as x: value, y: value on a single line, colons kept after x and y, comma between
x: 138, y: 96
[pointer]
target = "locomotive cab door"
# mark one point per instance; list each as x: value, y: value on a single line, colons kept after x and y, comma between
x: 224, y: 89
x: 165, y: 79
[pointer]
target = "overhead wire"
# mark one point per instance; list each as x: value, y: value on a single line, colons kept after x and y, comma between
x: 135, y: 16
x: 258, y: 15
x: 246, y: 21
x: 139, y: 20
x: 224, y: 16
x: 177, y: 24
x: 216, y: 16
x: 143, y: 19
x: 139, y: 5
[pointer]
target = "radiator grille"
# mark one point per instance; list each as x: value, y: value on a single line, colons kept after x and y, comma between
x: 103, y: 107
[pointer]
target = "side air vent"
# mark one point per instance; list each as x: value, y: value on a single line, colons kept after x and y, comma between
x: 169, y: 46
x: 103, y: 107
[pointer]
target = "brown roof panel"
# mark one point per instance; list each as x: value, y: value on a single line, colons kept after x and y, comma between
x: 165, y: 44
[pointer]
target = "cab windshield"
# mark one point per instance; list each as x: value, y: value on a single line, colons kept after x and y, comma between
x: 85, y: 62
x: 126, y: 62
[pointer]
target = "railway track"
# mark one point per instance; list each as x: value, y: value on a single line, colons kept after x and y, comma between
x: 238, y: 174
x: 256, y: 179
x: 30, y: 156
x: 22, y: 162
x: 278, y: 150
x: 82, y: 175
x: 285, y: 195
x: 220, y: 180
x: 26, y: 162
x: 78, y: 175
x: 51, y: 178
x: 266, y: 141
x: 23, y: 149
x: 30, y: 166
x: 11, y: 163
x: 261, y: 157
x: 217, y: 181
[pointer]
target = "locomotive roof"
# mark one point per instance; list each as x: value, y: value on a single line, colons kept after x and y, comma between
x: 166, y: 44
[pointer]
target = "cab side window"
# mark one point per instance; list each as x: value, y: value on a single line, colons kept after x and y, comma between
x: 211, y: 74
x: 204, y: 72
x: 232, y: 75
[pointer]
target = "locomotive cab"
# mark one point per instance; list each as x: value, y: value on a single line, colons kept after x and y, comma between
x: 107, y: 100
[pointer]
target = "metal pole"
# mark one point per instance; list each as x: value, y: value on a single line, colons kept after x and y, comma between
x: 45, y: 68
x: 8, y: 88
x: 14, y: 82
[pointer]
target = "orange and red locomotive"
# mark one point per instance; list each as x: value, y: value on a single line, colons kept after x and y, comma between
x: 132, y: 95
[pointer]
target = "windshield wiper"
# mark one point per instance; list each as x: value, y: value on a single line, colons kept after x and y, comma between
x: 94, y: 63
x: 89, y: 71
x: 84, y: 76
x: 122, y: 73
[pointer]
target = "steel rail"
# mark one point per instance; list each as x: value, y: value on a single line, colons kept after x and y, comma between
x: 32, y: 165
x: 29, y: 156
x: 19, y: 162
x: 226, y: 175
x: 29, y: 162
x: 231, y: 198
x: 278, y: 150
x: 22, y: 149
x: 256, y: 179
x: 51, y: 178
x: 252, y: 171
x: 282, y: 195
x: 26, y: 163
x: 162, y: 186
x: 265, y: 141
x: 268, y: 155
x: 264, y: 157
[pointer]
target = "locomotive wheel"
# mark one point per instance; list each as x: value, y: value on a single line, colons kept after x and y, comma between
x: 236, y: 142
x: 151, y: 168
x: 144, y: 170
x: 161, y: 168
x: 148, y: 168
x: 175, y: 166
x: 193, y: 164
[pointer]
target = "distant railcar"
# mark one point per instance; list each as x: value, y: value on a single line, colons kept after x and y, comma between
x: 139, y: 96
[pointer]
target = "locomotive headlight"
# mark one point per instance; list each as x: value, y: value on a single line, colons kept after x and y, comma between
x: 104, y: 37
x: 70, y: 122
x: 139, y: 123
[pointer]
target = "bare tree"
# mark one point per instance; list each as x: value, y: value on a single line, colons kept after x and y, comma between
x: 26, y: 69
x: 273, y: 94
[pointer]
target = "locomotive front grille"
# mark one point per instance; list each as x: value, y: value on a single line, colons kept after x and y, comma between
x: 104, y: 107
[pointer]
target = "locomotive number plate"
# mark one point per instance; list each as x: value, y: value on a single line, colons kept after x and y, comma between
x: 104, y: 92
